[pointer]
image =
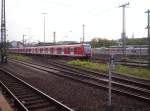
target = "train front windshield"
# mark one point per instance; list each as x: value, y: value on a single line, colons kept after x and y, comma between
x: 87, y: 48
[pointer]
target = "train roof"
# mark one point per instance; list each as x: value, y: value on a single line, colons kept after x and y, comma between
x: 70, y: 45
x: 129, y: 46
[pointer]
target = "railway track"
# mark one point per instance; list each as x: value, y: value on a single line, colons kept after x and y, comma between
x: 26, y: 97
x: 116, y: 76
x: 106, y: 60
x: 135, y: 64
x: 119, y: 85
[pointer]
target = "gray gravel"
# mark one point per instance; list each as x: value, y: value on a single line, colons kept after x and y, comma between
x: 76, y: 95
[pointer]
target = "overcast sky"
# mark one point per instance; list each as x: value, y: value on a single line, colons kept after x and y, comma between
x: 102, y: 18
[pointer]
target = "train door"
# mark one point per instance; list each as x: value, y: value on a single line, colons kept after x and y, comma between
x: 46, y: 50
x: 54, y: 50
x: 41, y: 50
x: 71, y: 51
x: 51, y: 51
x: 62, y: 51
x: 76, y: 51
x: 66, y: 51
x: 59, y: 51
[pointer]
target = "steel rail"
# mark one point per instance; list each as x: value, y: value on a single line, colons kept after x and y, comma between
x: 116, y: 77
x: 22, y: 92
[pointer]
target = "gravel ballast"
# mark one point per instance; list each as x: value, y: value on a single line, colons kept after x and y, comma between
x: 79, y: 96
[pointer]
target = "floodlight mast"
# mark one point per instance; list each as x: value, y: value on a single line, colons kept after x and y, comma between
x: 3, y: 34
x: 123, y: 34
x: 44, y: 25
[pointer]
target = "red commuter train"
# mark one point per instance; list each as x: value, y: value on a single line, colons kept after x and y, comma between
x: 74, y: 50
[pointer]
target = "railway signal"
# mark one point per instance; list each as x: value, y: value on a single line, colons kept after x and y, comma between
x: 111, y: 67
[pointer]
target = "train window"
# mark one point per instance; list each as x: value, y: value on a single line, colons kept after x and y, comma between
x: 38, y: 50
x: 75, y: 49
x: 68, y: 49
x: 51, y: 50
x: 41, y: 50
x: 133, y: 51
x: 65, y: 49
x: 35, y: 50
x: 87, y: 48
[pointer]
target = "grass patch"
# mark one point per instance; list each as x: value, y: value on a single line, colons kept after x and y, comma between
x: 88, y: 64
x: 141, y: 72
x: 19, y: 57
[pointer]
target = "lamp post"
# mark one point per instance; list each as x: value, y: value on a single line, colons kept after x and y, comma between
x: 44, y: 26
x: 83, y: 33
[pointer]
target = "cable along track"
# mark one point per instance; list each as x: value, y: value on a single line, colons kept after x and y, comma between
x: 26, y: 97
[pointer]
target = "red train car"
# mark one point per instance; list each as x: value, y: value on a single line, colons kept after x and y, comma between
x: 75, y: 50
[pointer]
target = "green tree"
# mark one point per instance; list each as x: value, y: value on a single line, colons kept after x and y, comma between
x: 99, y: 42
x: 136, y: 41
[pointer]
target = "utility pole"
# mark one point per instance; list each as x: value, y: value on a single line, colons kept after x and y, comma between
x: 123, y: 34
x: 3, y: 34
x: 148, y: 36
x: 54, y: 42
x: 83, y: 33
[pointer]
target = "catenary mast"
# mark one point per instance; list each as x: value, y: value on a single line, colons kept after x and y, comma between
x: 3, y: 33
